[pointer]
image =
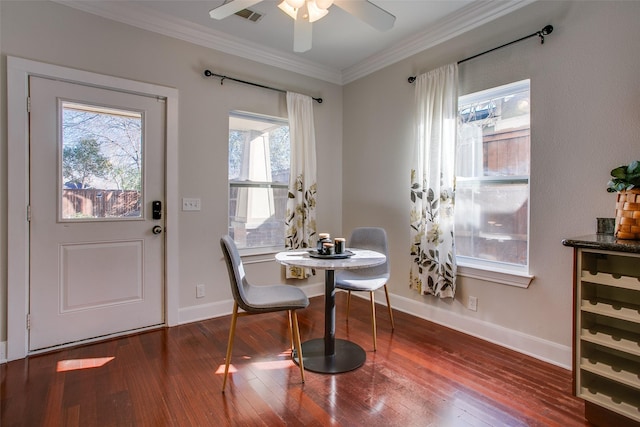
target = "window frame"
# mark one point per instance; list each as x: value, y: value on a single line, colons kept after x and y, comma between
x: 63, y: 106
x: 488, y: 270
x: 235, y: 183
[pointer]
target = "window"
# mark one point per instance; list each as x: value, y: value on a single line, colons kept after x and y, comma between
x: 101, y: 163
x: 492, y: 179
x: 259, y: 158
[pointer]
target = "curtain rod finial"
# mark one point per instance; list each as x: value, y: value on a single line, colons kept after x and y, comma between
x: 411, y: 79
x: 545, y: 31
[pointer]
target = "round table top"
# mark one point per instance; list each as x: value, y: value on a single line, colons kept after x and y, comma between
x: 362, y: 258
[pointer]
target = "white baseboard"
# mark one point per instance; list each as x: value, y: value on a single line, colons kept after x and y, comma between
x: 197, y: 313
x: 3, y: 352
x: 547, y: 351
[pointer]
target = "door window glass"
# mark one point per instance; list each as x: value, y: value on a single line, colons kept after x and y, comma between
x: 101, y: 162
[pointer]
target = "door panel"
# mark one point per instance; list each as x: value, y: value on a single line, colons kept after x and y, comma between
x: 96, y: 165
x: 81, y: 261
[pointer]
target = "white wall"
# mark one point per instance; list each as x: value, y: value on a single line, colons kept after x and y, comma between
x: 56, y: 34
x: 585, y: 97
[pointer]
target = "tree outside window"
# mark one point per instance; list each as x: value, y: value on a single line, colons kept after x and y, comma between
x: 101, y: 165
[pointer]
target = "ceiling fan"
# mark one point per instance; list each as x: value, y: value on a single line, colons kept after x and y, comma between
x: 304, y: 12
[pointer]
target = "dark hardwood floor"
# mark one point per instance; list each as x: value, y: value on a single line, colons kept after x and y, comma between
x: 421, y: 375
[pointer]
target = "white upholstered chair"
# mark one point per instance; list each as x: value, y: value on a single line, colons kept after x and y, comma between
x: 367, y: 279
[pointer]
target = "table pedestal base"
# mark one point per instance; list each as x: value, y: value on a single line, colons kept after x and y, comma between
x: 348, y: 356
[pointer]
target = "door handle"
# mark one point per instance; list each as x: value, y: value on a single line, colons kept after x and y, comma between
x: 156, y: 229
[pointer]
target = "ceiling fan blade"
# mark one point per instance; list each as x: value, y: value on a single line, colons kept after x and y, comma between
x: 302, y: 31
x: 231, y: 7
x: 368, y: 13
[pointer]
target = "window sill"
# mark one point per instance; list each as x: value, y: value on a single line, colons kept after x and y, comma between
x: 509, y: 278
x: 258, y: 255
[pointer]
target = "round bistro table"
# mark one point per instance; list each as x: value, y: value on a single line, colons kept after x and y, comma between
x: 329, y: 355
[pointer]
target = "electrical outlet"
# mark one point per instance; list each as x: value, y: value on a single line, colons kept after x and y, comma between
x: 200, y: 291
x: 189, y: 204
x: 472, y: 303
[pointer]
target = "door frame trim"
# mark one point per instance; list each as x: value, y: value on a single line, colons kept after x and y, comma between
x: 18, y: 72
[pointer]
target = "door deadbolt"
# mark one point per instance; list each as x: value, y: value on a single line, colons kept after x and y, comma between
x: 156, y: 209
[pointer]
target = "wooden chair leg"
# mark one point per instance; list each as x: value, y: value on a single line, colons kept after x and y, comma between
x: 298, y: 344
x: 348, y: 303
x: 386, y: 292
x: 373, y: 320
x: 232, y: 332
x: 290, y: 328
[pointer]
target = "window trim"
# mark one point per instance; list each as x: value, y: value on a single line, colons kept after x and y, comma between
x: 235, y: 183
x: 496, y: 271
x: 468, y: 267
x: 495, y: 92
x: 507, y: 278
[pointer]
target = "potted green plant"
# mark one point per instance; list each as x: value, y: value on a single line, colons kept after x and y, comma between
x: 626, y: 182
x: 625, y: 177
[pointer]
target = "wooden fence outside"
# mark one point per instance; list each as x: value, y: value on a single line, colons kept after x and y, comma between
x: 95, y: 203
x: 505, y: 153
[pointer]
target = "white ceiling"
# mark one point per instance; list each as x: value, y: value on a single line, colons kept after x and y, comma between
x: 343, y: 49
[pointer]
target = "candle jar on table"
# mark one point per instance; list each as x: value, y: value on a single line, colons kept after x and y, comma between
x: 328, y: 249
x: 322, y: 239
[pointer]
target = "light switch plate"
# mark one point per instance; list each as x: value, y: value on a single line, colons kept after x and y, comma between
x: 190, y: 204
x: 472, y: 303
x: 200, y: 291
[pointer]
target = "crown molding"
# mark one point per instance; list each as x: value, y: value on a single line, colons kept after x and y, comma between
x: 463, y: 20
x: 180, y: 29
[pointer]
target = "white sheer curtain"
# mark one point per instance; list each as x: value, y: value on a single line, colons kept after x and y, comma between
x: 300, y: 220
x: 433, y: 258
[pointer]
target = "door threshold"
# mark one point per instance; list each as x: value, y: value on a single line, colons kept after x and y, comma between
x: 94, y: 340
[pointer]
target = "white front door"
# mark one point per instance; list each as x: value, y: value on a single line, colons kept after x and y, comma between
x: 96, y: 245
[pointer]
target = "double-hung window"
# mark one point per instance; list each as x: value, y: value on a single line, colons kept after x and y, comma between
x: 259, y: 159
x: 492, y: 179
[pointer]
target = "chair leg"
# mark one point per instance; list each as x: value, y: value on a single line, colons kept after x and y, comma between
x: 386, y: 292
x: 298, y: 344
x: 348, y: 304
x: 290, y: 328
x: 232, y: 331
x: 373, y: 320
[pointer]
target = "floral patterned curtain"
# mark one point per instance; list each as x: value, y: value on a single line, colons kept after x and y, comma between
x: 433, y: 260
x: 300, y: 220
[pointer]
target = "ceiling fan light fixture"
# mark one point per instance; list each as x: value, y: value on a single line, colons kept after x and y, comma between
x: 286, y: 8
x: 315, y: 12
x: 324, y: 4
x: 295, y: 4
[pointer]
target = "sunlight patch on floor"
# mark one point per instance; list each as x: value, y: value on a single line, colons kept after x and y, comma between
x: 77, y: 364
x: 285, y: 361
x: 220, y: 369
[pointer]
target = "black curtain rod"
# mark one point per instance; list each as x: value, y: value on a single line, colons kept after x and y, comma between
x: 209, y: 73
x: 545, y: 31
